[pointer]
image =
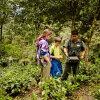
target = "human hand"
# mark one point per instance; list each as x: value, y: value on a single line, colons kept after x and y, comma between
x: 68, y: 58
x: 82, y: 57
x: 59, y: 57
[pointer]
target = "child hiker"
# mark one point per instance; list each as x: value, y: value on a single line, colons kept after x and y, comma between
x: 43, y: 54
x: 55, y: 51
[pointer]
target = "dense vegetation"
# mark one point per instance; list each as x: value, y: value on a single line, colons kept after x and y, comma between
x: 22, y: 21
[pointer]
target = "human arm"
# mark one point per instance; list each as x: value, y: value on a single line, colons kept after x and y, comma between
x: 47, y: 59
x: 83, y: 50
x: 44, y: 51
x: 65, y: 46
x: 56, y: 57
x: 66, y: 51
x: 82, y: 56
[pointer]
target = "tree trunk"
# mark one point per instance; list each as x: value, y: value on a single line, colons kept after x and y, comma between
x: 1, y: 39
x: 75, y: 11
x: 90, y: 37
x: 73, y: 16
x: 73, y: 23
x: 86, y: 56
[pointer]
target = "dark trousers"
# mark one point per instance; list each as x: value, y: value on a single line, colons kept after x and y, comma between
x: 67, y: 69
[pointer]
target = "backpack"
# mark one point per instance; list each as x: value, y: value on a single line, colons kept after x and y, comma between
x: 73, y: 58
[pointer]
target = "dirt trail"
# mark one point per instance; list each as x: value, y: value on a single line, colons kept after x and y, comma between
x: 83, y: 94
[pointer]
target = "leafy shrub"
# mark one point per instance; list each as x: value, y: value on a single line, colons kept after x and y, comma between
x: 97, y: 94
x: 3, y: 62
x: 95, y: 78
x: 53, y: 89
x: 57, y: 89
x: 17, y: 77
x: 34, y: 96
x: 82, y: 67
x: 93, y: 69
x: 3, y: 97
x: 10, y: 50
x: 80, y: 79
x: 69, y: 87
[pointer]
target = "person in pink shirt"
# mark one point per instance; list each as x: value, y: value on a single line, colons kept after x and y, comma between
x: 43, y: 54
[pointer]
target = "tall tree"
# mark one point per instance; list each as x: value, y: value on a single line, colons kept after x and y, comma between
x: 97, y: 12
x: 5, y: 15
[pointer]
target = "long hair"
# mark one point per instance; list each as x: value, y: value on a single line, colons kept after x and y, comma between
x: 44, y: 34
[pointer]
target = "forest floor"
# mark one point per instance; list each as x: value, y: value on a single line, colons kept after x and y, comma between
x: 83, y: 93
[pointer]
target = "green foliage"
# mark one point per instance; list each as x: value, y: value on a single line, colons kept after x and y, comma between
x: 3, y: 62
x: 5, y: 12
x: 24, y: 20
x: 94, y: 52
x: 95, y: 78
x: 53, y: 89
x: 93, y: 68
x: 82, y: 79
x: 18, y: 77
x: 57, y: 89
x: 18, y: 51
x: 10, y: 50
x: 70, y: 87
x: 34, y: 96
x: 97, y: 94
x: 3, y: 97
x: 92, y: 75
x: 82, y: 67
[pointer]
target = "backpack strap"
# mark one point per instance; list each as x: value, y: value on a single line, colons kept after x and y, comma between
x: 69, y: 43
x: 80, y: 40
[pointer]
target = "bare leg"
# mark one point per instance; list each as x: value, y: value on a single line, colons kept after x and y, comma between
x: 45, y: 72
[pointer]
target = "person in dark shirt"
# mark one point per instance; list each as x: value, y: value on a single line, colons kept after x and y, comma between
x: 72, y: 49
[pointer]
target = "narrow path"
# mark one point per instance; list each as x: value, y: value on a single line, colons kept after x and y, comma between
x: 83, y: 94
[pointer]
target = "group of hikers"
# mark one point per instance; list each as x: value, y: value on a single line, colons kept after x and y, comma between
x: 50, y: 59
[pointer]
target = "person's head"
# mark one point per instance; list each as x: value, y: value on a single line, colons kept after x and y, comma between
x: 74, y: 35
x: 46, y: 34
x: 57, y: 41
